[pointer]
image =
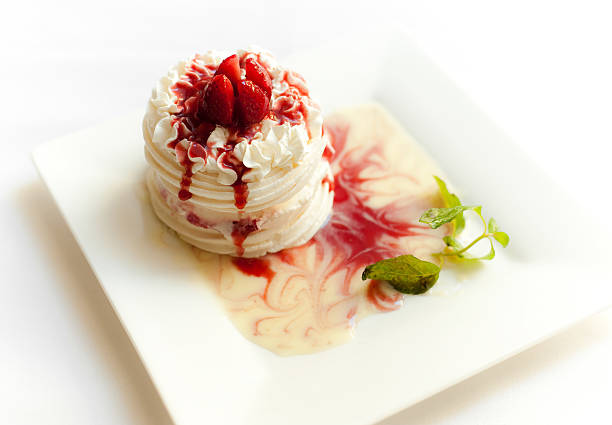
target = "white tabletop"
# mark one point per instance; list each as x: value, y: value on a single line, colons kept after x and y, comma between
x: 540, y: 69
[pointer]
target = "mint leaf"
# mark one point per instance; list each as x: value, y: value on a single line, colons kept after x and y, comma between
x: 502, y: 238
x: 406, y: 273
x: 436, y: 217
x: 450, y: 200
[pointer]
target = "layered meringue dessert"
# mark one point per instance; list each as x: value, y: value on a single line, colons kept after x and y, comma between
x: 237, y: 153
x: 241, y: 163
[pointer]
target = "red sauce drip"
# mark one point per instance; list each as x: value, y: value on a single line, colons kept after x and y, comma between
x: 383, y: 302
x: 187, y: 121
x: 241, y: 193
x: 184, y: 193
x: 183, y: 159
x: 330, y: 183
x: 196, y: 220
x: 328, y: 153
x: 240, y: 230
x: 257, y: 267
x: 241, y: 188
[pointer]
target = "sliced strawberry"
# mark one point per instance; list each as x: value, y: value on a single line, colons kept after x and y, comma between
x: 253, y: 103
x: 219, y: 100
x: 191, y: 105
x: 230, y: 67
x: 258, y: 75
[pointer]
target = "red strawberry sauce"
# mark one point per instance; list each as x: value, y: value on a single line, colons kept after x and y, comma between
x: 255, y: 267
x: 240, y: 230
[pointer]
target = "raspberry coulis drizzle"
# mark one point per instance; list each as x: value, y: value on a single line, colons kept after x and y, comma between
x: 240, y: 230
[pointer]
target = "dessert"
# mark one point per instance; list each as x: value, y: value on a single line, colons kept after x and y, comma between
x: 236, y: 150
x: 242, y: 164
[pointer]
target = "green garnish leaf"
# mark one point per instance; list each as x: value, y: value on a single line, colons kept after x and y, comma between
x: 436, y: 217
x: 406, y: 273
x: 410, y: 275
x: 502, y: 238
x: 450, y: 200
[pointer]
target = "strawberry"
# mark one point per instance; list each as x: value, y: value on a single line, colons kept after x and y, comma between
x: 230, y: 67
x: 258, y: 75
x: 253, y: 103
x: 219, y: 100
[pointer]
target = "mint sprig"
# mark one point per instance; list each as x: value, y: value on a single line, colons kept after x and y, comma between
x: 453, y: 212
x: 410, y: 275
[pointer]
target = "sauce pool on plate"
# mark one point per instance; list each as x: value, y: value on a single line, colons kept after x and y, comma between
x: 310, y: 298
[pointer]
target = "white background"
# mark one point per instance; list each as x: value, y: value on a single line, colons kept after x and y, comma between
x: 541, y: 69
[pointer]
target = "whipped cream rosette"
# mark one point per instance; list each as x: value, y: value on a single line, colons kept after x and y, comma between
x: 237, y: 154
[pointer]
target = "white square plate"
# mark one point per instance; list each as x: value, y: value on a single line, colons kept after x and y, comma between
x: 552, y: 275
